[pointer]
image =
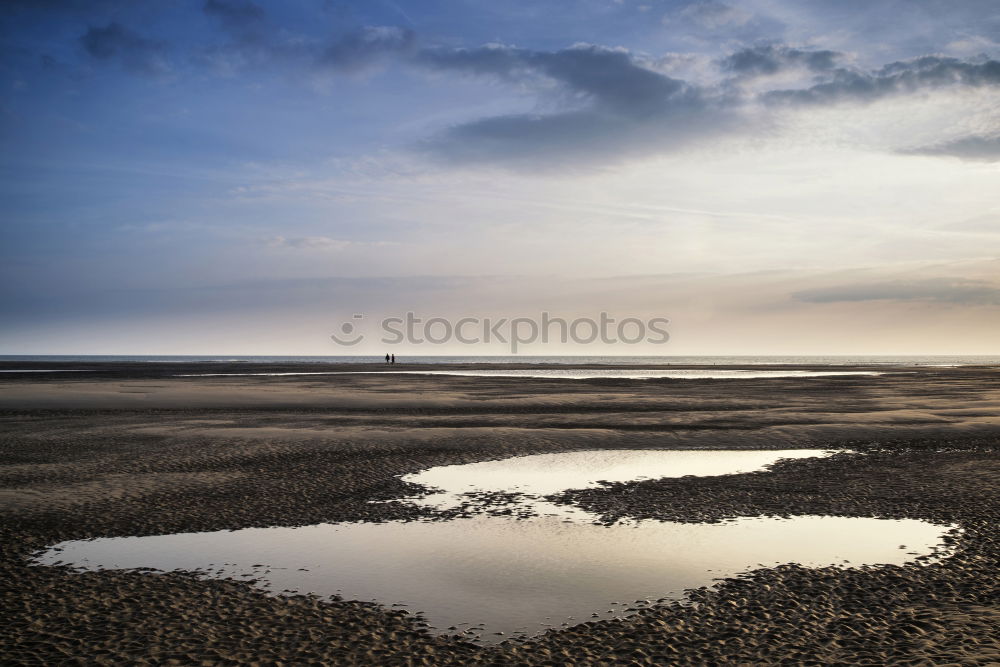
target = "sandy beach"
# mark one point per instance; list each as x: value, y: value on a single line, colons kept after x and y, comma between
x: 123, y: 449
x: 500, y: 333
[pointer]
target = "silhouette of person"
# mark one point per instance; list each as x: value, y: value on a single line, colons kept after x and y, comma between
x: 394, y: 358
x: 387, y: 358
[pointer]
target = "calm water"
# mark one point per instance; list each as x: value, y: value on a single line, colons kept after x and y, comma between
x: 578, y: 373
x: 546, y: 474
x: 487, y: 574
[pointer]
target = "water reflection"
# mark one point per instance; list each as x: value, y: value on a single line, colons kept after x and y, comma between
x: 575, y: 373
x: 546, y: 474
x: 640, y: 373
x: 485, y: 575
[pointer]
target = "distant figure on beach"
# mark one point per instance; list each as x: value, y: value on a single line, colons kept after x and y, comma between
x: 394, y: 358
x: 387, y: 358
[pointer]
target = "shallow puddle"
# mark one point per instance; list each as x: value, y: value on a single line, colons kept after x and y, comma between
x: 486, y: 574
x: 640, y: 373
x: 546, y: 474
x: 579, y: 373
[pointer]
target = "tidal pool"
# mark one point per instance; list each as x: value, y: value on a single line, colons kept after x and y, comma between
x: 637, y: 373
x: 578, y: 373
x: 541, y: 475
x: 483, y: 575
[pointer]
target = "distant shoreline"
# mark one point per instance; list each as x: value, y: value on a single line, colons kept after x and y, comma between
x: 14, y: 362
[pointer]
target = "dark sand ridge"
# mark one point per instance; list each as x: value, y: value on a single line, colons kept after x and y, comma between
x: 214, y: 453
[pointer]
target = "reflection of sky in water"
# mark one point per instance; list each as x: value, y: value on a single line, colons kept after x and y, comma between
x: 521, y: 575
x: 579, y: 373
x: 546, y: 474
x: 639, y: 373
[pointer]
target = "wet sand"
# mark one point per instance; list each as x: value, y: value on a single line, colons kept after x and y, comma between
x: 129, y: 449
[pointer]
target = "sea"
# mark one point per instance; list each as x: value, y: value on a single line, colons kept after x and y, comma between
x: 679, y: 360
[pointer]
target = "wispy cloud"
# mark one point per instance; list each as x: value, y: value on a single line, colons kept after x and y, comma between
x: 593, y: 104
x: 368, y: 46
x: 234, y: 14
x: 920, y: 74
x: 975, y: 147
x: 714, y: 15
x: 116, y: 43
x: 943, y: 290
x: 317, y: 243
x: 772, y: 58
x: 616, y: 106
x: 308, y: 242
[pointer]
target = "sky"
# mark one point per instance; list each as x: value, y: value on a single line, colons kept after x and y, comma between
x: 244, y: 177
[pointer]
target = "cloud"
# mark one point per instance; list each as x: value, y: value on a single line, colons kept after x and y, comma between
x: 616, y: 105
x: 321, y: 243
x: 708, y: 25
x: 594, y: 104
x: 235, y: 14
x: 771, y: 59
x: 254, y: 44
x: 308, y: 243
x: 610, y: 77
x: 363, y: 48
x: 924, y: 73
x: 613, y: 103
x: 135, y: 53
x: 944, y: 290
x: 976, y: 147
x: 714, y: 15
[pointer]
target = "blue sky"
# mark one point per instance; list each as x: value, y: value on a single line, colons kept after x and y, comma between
x: 774, y: 176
